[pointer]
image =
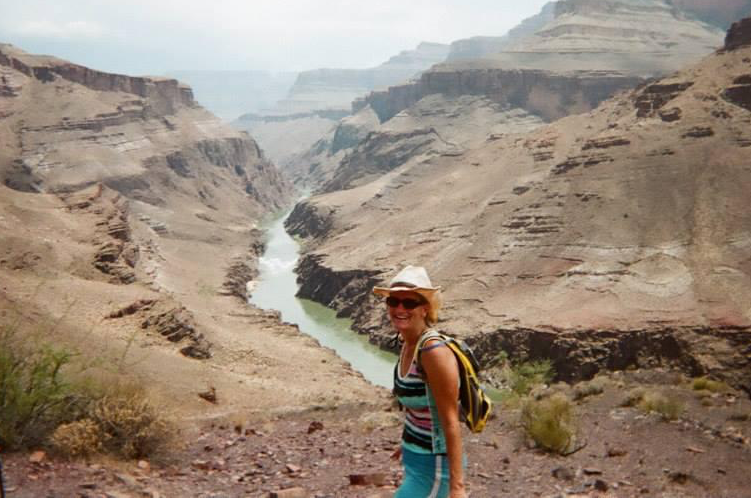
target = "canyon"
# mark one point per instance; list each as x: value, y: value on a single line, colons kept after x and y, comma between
x: 612, y: 239
x: 566, y: 60
x: 130, y: 220
x: 590, y: 212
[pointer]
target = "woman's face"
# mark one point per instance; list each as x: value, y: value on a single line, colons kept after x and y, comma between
x: 408, y: 321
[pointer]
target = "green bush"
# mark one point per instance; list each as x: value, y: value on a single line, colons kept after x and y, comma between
x: 550, y: 422
x: 706, y: 384
x: 34, y: 397
x: 523, y: 377
x: 39, y: 405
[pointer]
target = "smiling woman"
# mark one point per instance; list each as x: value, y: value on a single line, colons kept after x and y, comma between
x: 426, y: 383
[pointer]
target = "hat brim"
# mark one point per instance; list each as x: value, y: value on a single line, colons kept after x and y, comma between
x: 386, y: 291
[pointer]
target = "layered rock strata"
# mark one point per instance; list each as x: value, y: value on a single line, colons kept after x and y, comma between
x: 611, y: 239
x: 547, y: 94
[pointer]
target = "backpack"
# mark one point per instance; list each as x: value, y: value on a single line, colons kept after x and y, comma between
x: 475, y: 403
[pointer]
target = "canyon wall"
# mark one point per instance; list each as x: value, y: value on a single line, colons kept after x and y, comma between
x: 612, y: 239
x: 550, y: 95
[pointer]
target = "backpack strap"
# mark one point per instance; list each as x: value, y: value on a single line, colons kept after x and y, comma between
x: 420, y: 348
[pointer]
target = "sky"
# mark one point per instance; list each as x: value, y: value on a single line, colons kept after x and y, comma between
x: 159, y: 36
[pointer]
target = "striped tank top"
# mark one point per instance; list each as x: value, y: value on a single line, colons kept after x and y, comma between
x: 422, y: 427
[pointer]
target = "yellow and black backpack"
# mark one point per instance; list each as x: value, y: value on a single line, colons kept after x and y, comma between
x: 475, y: 403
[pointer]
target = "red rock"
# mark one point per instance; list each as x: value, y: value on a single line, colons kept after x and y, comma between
x: 315, y: 426
x: 375, y: 479
x: 37, y: 456
x: 291, y: 468
x: 289, y: 493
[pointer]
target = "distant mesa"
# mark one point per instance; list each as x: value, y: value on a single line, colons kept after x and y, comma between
x: 69, y: 127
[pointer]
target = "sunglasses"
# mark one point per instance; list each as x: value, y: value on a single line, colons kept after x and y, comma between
x: 407, y: 302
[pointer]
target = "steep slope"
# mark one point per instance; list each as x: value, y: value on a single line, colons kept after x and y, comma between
x: 128, y: 232
x: 615, y: 238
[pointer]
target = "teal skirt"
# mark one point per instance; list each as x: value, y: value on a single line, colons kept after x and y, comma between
x: 425, y: 476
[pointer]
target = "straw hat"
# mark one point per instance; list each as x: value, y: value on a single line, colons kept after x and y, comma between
x: 415, y: 279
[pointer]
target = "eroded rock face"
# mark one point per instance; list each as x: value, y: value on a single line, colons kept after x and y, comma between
x: 739, y: 34
x: 546, y: 94
x: 165, y: 95
x: 68, y: 127
x: 595, y: 240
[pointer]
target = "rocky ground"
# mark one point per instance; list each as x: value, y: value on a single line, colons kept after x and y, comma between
x: 344, y: 452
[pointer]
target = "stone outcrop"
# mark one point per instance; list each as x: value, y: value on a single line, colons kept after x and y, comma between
x: 244, y: 269
x: 739, y: 35
x: 595, y: 240
x: 165, y: 95
x: 547, y: 94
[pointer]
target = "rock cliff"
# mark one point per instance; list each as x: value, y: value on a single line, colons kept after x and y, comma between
x: 66, y: 127
x: 609, y: 239
x: 639, y: 37
x: 548, y: 94
x: 337, y: 88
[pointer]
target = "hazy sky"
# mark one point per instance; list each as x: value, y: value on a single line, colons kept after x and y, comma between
x: 157, y: 36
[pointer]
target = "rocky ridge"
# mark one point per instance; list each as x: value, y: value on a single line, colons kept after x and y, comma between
x: 565, y: 239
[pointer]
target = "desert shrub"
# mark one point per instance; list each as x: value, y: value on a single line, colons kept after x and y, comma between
x: 655, y: 402
x: 634, y: 397
x: 79, y: 438
x: 40, y: 404
x: 589, y: 388
x: 706, y: 384
x: 132, y: 426
x: 549, y: 422
x: 34, y: 397
x: 525, y: 376
x: 520, y: 380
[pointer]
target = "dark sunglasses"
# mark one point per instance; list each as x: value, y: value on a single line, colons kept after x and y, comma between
x: 407, y: 302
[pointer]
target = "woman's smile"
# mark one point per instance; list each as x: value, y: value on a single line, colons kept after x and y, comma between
x: 407, y: 320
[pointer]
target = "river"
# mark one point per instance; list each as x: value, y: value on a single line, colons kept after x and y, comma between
x: 275, y: 290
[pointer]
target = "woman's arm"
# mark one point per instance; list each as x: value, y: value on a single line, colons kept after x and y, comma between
x: 443, y: 378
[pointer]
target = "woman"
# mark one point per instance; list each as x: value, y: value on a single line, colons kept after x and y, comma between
x: 426, y: 383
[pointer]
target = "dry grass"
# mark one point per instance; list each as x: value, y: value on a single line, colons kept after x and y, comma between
x: 550, y: 422
x: 655, y: 402
x: 80, y: 438
x: 589, y: 388
x: 706, y: 384
x: 133, y: 427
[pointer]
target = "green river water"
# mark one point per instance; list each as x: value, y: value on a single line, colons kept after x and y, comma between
x: 275, y: 290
